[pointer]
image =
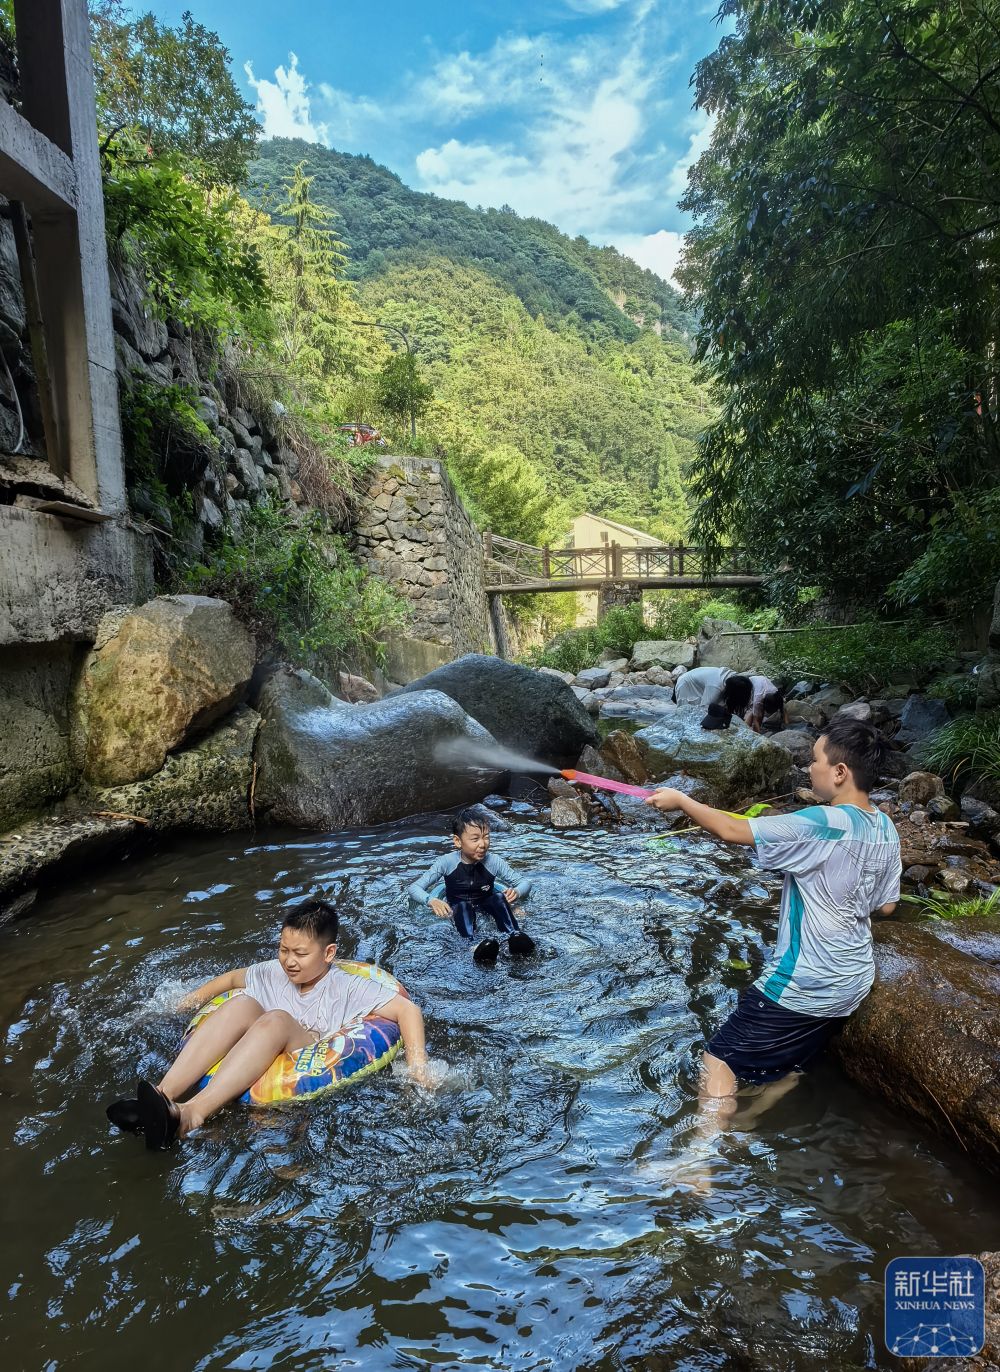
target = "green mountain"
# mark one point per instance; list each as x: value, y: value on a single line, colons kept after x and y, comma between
x: 548, y: 398
x: 553, y: 275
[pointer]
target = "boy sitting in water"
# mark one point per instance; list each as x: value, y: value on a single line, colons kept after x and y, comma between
x: 292, y: 1001
x: 468, y: 875
x: 841, y: 862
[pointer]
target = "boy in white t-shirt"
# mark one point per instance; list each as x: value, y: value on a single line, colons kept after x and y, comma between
x: 841, y: 863
x: 292, y: 1001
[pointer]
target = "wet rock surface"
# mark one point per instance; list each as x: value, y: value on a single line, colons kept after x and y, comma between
x: 735, y: 762
x: 927, y: 1037
x: 323, y: 764
x: 532, y: 712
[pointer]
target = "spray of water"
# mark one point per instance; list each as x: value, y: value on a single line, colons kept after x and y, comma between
x: 487, y: 757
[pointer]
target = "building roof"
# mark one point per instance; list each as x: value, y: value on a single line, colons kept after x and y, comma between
x: 621, y: 528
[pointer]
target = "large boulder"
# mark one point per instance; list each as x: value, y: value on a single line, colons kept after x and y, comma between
x: 533, y: 713
x: 323, y: 764
x: 662, y: 652
x: 735, y: 762
x: 927, y: 1038
x: 721, y: 643
x: 643, y: 703
x: 799, y: 743
x: 204, y: 787
x: 157, y: 676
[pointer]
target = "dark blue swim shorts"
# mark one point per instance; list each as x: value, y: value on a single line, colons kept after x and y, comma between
x: 762, y: 1041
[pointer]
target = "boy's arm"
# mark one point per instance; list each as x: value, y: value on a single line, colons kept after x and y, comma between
x: 717, y: 822
x: 411, y: 1026
x: 422, y: 890
x: 521, y: 882
x: 229, y: 981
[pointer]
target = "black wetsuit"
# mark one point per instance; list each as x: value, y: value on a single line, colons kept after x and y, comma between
x: 470, y: 892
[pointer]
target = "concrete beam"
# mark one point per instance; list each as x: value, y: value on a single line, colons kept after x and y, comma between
x: 32, y: 168
x: 647, y: 583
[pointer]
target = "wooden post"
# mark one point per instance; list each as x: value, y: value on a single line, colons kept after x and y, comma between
x: 487, y: 543
x: 616, y: 562
x: 546, y: 565
x: 680, y: 560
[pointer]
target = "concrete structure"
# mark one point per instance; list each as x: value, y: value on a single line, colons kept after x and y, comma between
x: 415, y: 533
x: 67, y: 550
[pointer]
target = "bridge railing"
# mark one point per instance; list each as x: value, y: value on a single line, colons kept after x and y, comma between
x: 509, y: 562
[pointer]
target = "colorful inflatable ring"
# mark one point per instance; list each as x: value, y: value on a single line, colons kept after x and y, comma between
x: 355, y: 1051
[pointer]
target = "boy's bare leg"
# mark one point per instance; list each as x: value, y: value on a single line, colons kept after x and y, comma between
x: 272, y: 1033
x: 210, y: 1042
x: 770, y: 1094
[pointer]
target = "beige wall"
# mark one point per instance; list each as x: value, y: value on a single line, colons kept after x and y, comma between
x: 586, y: 533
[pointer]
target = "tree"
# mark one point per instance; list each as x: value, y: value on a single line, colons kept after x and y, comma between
x: 402, y: 394
x: 844, y: 263
x: 174, y: 87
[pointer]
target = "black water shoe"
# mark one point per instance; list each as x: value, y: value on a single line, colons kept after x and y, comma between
x: 124, y: 1115
x: 486, y: 952
x: 521, y: 946
x: 160, y: 1117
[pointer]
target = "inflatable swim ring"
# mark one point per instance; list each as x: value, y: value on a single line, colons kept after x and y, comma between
x: 355, y: 1050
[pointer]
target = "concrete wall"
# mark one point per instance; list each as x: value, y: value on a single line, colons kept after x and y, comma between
x: 414, y: 532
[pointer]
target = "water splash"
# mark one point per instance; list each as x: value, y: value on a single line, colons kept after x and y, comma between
x: 488, y: 757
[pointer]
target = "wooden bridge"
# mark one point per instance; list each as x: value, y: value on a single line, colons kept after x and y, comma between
x: 520, y: 569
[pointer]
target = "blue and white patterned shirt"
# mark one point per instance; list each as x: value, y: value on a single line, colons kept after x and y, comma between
x: 431, y: 884
x: 840, y: 863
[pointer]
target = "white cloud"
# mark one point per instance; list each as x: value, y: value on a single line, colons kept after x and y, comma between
x: 461, y: 85
x: 700, y: 137
x: 660, y: 251
x: 286, y: 105
x: 572, y: 152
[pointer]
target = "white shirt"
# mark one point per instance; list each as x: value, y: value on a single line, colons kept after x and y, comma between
x: 338, y: 998
x: 840, y: 863
x: 701, y: 686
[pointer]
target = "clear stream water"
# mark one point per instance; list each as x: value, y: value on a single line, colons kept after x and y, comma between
x: 526, y: 1216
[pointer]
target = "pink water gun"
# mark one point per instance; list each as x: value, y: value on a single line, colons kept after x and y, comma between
x: 622, y: 787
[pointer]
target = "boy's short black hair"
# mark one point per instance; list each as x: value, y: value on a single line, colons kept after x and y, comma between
x: 859, y: 746
x: 472, y: 815
x: 315, y: 918
x: 737, y: 693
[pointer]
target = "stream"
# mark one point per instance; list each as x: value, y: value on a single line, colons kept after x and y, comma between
x: 527, y: 1215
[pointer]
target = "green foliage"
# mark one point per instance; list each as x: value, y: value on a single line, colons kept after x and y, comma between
x: 298, y: 590
x: 844, y: 263
x: 961, y: 559
x: 866, y: 658
x: 618, y: 632
x: 552, y: 275
x: 157, y: 422
x: 401, y: 393
x: 174, y: 87
x: 943, y: 907
x: 969, y: 745
x: 957, y: 692
x: 197, y: 268
x: 678, y: 614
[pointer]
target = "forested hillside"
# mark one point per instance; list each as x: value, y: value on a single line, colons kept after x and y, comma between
x: 551, y: 274
x: 547, y: 399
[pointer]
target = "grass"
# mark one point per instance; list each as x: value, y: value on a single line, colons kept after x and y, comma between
x: 968, y: 744
x: 942, y: 907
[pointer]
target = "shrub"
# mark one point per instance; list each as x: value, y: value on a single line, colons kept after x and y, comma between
x: 297, y: 589
x: 958, y: 692
x: 866, y: 657
x: 942, y: 907
x: 618, y: 632
x: 969, y: 745
x: 678, y: 614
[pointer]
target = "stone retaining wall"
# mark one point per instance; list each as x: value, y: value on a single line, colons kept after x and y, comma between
x: 414, y: 532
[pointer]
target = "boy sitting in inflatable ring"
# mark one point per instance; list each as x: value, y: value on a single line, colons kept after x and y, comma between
x: 292, y: 1001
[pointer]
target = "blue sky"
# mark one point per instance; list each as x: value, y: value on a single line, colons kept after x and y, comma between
x: 579, y: 111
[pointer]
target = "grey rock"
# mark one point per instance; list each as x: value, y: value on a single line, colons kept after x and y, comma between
x: 735, y: 762
x: 831, y: 698
x: 662, y: 652
x: 613, y: 663
x: 988, y: 682
x: 921, y: 717
x: 532, y: 712
x: 246, y: 470
x: 592, y: 677
x: 917, y: 788
x: 858, y: 709
x: 980, y: 814
x: 568, y: 677
x: 943, y: 808
x: 722, y: 643
x: 799, y: 742
x: 569, y: 812
x: 808, y: 712
x: 323, y: 764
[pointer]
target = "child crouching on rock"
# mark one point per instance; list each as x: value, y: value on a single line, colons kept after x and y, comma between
x: 297, y: 999
x: 841, y: 862
x: 468, y: 876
